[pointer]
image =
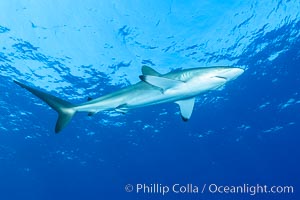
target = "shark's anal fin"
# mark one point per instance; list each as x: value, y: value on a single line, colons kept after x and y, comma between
x: 149, y: 71
x: 161, y: 82
x: 91, y: 113
x: 65, y: 109
x: 186, y: 108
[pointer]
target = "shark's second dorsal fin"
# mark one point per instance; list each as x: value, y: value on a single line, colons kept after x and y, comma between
x: 161, y: 82
x: 146, y: 70
x: 186, y: 108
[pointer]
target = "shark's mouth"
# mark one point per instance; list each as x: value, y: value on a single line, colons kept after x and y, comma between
x: 222, y: 77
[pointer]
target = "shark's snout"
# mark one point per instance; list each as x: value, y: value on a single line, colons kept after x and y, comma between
x: 232, y: 73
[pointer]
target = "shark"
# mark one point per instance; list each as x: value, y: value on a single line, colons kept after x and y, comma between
x: 180, y: 87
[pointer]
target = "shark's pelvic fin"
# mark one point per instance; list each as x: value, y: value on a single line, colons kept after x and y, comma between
x: 65, y: 109
x: 186, y: 108
x: 149, y: 71
x: 161, y: 82
x: 122, y: 108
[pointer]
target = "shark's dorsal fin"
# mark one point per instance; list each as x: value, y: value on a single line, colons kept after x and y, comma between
x: 186, y: 108
x: 161, y: 82
x: 146, y: 70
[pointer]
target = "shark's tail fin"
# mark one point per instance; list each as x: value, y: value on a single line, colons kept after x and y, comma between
x: 65, y: 109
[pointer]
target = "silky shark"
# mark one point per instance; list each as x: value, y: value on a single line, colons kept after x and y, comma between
x: 180, y: 87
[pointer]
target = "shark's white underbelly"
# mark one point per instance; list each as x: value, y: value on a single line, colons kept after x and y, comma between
x: 141, y: 95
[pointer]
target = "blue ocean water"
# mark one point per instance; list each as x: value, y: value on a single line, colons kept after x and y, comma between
x: 244, y: 133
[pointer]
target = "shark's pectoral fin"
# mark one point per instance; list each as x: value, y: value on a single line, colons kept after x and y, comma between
x: 161, y: 82
x: 186, y: 108
x: 149, y: 71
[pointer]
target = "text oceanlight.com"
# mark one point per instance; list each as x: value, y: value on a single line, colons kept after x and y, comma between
x: 163, y: 189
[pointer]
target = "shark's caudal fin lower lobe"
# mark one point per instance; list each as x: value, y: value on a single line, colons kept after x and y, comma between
x: 65, y: 109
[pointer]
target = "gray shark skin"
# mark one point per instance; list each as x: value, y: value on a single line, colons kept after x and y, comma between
x: 180, y: 87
